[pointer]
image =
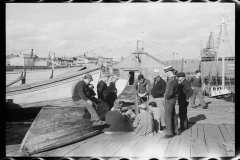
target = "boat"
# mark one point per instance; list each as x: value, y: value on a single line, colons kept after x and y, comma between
x: 210, y: 62
x: 57, y: 126
x: 48, y: 90
x: 60, y: 121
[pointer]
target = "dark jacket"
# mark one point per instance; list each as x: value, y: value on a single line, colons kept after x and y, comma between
x: 89, y: 92
x: 78, y: 91
x: 184, y: 90
x: 159, y: 88
x: 171, y: 88
x: 101, y: 90
x: 144, y: 87
x: 196, y: 82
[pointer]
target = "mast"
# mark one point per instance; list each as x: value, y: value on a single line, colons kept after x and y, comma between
x: 223, y: 25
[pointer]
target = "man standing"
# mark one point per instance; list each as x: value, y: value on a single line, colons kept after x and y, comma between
x: 102, y: 87
x: 184, y: 93
x: 170, y: 101
x: 79, y: 97
x: 157, y: 92
x: 142, y: 87
x: 196, y: 83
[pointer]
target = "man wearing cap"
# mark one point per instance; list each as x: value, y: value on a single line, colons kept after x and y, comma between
x: 184, y: 93
x: 170, y: 101
x: 79, y: 97
x: 157, y: 92
x: 102, y: 87
x: 196, y: 83
x: 143, y: 122
x: 142, y: 87
x: 116, y: 121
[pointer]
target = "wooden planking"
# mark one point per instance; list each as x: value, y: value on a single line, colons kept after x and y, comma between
x: 225, y: 133
x: 161, y: 147
x: 80, y: 148
x: 125, y: 149
x: 172, y: 150
x: 201, y: 132
x: 185, y: 144
x: 233, y: 127
x: 220, y: 139
x: 149, y: 150
x: 12, y: 150
x: 93, y: 148
x: 230, y: 131
x: 194, y: 131
x: 198, y: 148
x: 140, y: 145
x: 211, y: 141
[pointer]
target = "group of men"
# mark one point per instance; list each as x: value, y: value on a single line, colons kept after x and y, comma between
x: 83, y: 94
x: 166, y: 93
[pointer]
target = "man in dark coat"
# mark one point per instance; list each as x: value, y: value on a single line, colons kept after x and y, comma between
x: 111, y: 92
x: 102, y: 87
x: 184, y: 93
x: 79, y: 97
x: 171, y: 120
x: 157, y: 92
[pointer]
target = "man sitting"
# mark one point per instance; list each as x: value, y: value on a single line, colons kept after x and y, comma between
x: 116, y: 120
x: 79, y: 97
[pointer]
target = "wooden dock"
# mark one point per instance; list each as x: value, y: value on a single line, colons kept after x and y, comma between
x: 211, y: 134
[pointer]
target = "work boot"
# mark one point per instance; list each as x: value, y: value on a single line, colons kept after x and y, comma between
x: 98, y: 123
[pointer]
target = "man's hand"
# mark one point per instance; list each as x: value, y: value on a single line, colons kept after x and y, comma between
x: 89, y: 102
x: 187, y: 100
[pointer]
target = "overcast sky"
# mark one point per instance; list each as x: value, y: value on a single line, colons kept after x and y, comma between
x: 112, y: 30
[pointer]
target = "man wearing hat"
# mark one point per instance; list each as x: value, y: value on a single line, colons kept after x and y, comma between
x: 184, y: 93
x: 143, y: 122
x: 79, y: 97
x: 170, y: 101
x: 157, y: 92
x: 102, y: 87
x: 196, y: 83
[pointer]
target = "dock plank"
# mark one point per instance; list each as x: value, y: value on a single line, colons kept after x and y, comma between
x: 225, y: 133
x: 172, y: 150
x: 201, y: 132
x: 93, y: 148
x: 124, y: 150
x: 194, y: 131
x: 220, y: 139
x: 185, y: 144
x: 230, y: 131
x: 161, y: 147
x: 198, y: 148
x: 233, y: 127
x: 12, y: 150
x: 80, y: 148
x: 139, y: 146
x: 211, y: 141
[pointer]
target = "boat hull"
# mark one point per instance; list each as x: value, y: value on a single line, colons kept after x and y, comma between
x: 57, y: 126
x: 53, y: 89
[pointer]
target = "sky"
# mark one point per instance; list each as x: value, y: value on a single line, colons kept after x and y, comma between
x: 167, y: 30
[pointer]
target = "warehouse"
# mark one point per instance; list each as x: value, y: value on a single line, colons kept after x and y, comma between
x: 137, y: 63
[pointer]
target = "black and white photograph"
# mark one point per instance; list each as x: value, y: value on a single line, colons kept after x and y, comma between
x: 121, y: 80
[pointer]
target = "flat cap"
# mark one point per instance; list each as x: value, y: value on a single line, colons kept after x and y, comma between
x: 168, y: 68
x: 88, y: 76
x: 180, y: 74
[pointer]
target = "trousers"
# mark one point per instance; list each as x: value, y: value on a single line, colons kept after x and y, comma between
x: 91, y: 110
x: 183, y: 114
x: 197, y: 91
x: 160, y: 104
x: 170, y: 116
